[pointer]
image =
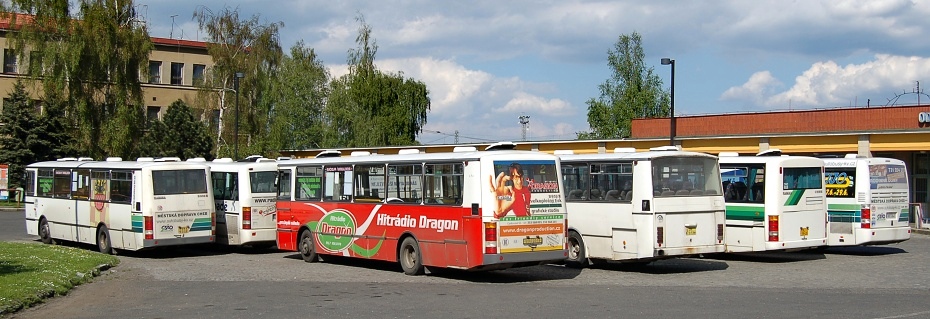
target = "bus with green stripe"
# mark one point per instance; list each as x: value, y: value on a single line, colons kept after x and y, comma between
x: 774, y: 201
x: 640, y: 206
x: 116, y: 204
x: 867, y: 201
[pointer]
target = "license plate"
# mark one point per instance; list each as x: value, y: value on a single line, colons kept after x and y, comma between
x: 805, y: 231
x: 691, y: 231
x: 890, y: 215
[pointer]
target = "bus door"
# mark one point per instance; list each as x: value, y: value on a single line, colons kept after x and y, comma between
x: 226, y: 201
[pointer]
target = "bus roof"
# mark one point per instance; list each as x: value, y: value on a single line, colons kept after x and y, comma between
x: 417, y: 157
x: 852, y: 162
x: 129, y: 165
x: 238, y: 166
x: 632, y: 156
x: 781, y: 160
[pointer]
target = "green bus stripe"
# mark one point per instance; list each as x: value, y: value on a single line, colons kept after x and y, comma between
x: 844, y: 216
x: 750, y: 213
x: 795, y: 197
x: 854, y: 207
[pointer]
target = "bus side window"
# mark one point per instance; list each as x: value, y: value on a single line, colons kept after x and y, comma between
x: 120, y: 186
x: 284, y: 184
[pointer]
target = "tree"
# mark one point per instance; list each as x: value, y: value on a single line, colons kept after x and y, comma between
x: 180, y: 134
x: 90, y: 61
x: 18, y: 135
x: 368, y: 107
x: 633, y: 91
x: 296, y: 98
x: 240, y: 46
x: 26, y: 138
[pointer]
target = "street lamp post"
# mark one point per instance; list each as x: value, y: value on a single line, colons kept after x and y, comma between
x: 238, y: 76
x: 671, y: 134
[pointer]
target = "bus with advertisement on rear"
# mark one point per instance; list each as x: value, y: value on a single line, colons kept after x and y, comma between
x: 468, y: 209
x: 631, y: 206
x: 116, y: 204
x: 774, y: 201
x: 867, y: 201
x: 245, y: 193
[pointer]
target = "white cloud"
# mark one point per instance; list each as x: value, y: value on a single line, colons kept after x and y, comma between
x: 827, y: 84
x: 759, y: 86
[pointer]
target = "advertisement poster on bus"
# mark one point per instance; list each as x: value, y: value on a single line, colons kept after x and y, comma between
x: 887, y: 176
x: 527, y: 200
x: 840, y: 183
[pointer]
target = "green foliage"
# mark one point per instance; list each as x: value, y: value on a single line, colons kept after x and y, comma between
x: 18, y: 135
x: 90, y: 61
x: 632, y: 91
x: 296, y: 97
x: 32, y: 272
x: 26, y: 138
x: 180, y: 134
x: 368, y: 107
x: 251, y: 48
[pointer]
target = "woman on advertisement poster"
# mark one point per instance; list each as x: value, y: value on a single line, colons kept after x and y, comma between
x: 512, y: 192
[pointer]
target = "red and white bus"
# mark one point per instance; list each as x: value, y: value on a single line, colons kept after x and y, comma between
x: 472, y: 210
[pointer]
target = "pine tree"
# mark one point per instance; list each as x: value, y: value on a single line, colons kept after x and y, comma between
x: 18, y: 134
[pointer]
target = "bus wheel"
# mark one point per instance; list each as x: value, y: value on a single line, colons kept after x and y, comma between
x: 576, y: 253
x: 409, y: 257
x: 44, y: 233
x: 307, y: 247
x: 103, y: 240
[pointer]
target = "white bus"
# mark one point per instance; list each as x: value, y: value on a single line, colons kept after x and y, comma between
x: 471, y: 210
x: 642, y: 206
x: 774, y: 202
x: 128, y: 205
x: 245, y: 195
x: 867, y: 201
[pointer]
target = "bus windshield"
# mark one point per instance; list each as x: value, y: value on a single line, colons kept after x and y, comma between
x: 680, y: 176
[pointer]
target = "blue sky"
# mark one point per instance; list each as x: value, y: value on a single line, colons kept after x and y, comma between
x: 486, y: 63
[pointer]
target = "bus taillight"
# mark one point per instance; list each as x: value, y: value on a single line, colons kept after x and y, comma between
x: 247, y: 218
x: 490, y: 238
x: 866, y: 217
x: 148, y: 226
x: 213, y: 224
x: 773, y: 228
x: 660, y: 235
x: 719, y: 233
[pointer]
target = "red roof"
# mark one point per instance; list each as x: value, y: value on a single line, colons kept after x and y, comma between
x: 26, y: 18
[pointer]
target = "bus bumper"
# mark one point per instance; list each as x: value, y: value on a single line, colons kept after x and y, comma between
x: 796, y: 244
x: 882, y: 236
x: 687, y: 251
x: 528, y: 257
x: 149, y: 243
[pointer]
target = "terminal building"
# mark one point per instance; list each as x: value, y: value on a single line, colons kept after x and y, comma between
x: 901, y: 132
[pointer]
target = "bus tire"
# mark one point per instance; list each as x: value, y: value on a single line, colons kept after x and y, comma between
x: 576, y: 253
x: 45, y: 233
x: 307, y: 247
x: 103, y: 240
x: 410, y: 257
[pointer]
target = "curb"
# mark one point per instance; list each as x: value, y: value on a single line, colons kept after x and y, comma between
x: 922, y: 231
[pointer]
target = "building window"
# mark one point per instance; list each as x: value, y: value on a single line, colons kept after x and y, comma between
x: 9, y: 61
x: 35, y: 62
x: 198, y: 73
x: 215, y: 119
x: 37, y: 106
x: 177, y: 73
x: 155, y: 72
x: 152, y: 113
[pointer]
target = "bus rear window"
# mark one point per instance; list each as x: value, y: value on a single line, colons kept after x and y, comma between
x: 263, y: 182
x: 685, y: 176
x: 172, y: 182
x: 802, y: 178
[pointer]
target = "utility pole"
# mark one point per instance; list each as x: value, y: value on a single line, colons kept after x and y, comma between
x: 525, y: 121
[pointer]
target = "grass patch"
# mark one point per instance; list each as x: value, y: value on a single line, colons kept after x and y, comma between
x: 31, y: 272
